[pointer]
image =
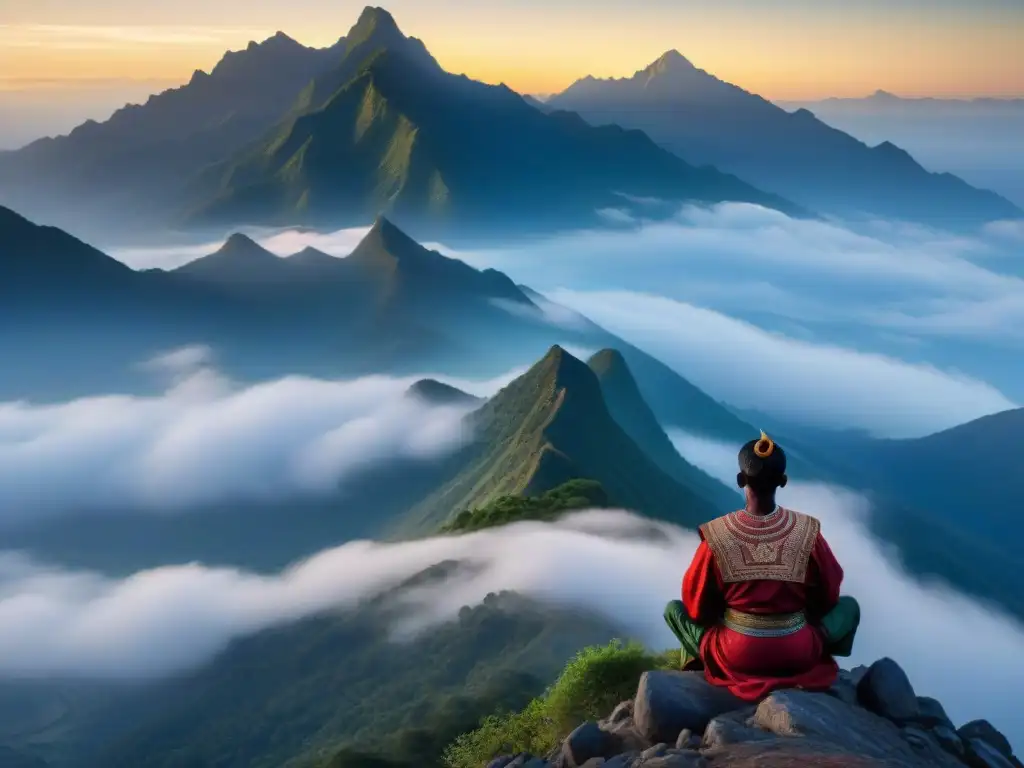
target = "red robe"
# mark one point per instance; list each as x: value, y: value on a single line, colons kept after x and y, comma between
x: 752, y: 667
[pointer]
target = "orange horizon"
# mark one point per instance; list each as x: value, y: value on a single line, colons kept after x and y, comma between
x: 799, y: 56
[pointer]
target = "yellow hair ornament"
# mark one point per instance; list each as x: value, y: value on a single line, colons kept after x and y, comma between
x: 764, y: 447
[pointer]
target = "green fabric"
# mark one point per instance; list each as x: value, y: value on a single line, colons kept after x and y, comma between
x: 686, y: 630
x: 840, y: 626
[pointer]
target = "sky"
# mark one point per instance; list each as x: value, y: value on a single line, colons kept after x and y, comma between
x: 782, y: 49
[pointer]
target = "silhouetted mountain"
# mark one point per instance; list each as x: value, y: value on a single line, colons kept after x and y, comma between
x: 438, y: 393
x: 549, y: 426
x: 428, y: 147
x: 239, y: 261
x: 885, y: 99
x: 678, y: 404
x: 42, y: 262
x: 140, y: 159
x: 631, y: 412
x: 705, y: 120
x: 280, y: 134
x: 964, y: 468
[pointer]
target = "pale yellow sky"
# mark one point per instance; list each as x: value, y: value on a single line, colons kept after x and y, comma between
x: 790, y: 49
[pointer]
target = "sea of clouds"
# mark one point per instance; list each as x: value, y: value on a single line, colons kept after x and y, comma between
x: 206, y: 439
x: 892, y: 328
x: 878, y: 329
x: 167, y: 620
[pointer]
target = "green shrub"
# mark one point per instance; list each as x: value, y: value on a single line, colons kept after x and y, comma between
x: 590, y: 686
x: 575, y: 494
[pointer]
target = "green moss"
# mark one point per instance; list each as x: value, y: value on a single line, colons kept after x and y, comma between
x: 575, y: 494
x: 597, y: 679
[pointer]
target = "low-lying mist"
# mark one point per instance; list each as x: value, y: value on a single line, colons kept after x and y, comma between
x: 206, y: 439
x: 893, y: 328
x: 164, y: 621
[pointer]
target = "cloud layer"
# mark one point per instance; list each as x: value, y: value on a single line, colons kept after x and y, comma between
x: 791, y: 378
x: 167, y: 620
x: 892, y: 324
x: 206, y: 440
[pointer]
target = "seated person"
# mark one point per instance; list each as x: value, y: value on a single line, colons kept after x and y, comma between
x: 761, y: 608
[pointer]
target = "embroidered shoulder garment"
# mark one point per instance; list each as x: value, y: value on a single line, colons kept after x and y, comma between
x: 776, y: 547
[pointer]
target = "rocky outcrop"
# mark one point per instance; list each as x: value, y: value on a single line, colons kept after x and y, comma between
x: 871, y: 718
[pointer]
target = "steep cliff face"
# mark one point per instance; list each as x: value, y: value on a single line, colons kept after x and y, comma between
x: 871, y: 718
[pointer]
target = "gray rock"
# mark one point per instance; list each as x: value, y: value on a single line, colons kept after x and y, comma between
x: 931, y: 713
x: 687, y: 739
x: 733, y: 728
x: 625, y: 760
x: 842, y: 728
x: 656, y: 751
x: 501, y: 762
x: 981, y: 754
x: 985, y: 731
x: 626, y: 732
x: 589, y: 741
x: 668, y: 702
x: 844, y: 690
x: 886, y: 691
x: 949, y: 740
x: 622, y: 711
x: 853, y: 676
x: 675, y: 760
x: 926, y: 745
x: 916, y: 737
x: 594, y: 762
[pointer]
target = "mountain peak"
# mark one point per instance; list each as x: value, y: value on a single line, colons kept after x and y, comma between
x: 567, y: 371
x: 239, y: 242
x: 670, y: 62
x: 373, y: 22
x: 438, y: 393
x: 240, y: 259
x: 606, y: 361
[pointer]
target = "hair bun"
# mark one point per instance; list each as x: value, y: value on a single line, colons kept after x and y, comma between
x: 764, y: 447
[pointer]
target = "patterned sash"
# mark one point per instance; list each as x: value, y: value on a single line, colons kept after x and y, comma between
x: 764, y: 625
x: 775, y: 547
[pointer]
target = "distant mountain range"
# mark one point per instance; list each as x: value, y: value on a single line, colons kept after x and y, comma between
x: 283, y: 134
x: 882, y: 99
x: 708, y: 121
x: 393, y: 306
x: 979, y: 139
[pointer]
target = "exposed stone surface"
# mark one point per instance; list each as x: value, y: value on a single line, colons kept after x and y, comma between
x: 984, y: 730
x: 735, y: 727
x: 668, y: 702
x: 675, y: 759
x: 870, y: 719
x: 949, y: 740
x: 687, y: 740
x: 587, y: 742
x: 657, y: 750
x: 981, y: 754
x: 886, y: 690
x: 932, y: 714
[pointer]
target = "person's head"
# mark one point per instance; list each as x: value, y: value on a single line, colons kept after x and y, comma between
x: 762, y: 467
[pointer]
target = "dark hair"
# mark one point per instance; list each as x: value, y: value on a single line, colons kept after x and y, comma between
x: 762, y: 465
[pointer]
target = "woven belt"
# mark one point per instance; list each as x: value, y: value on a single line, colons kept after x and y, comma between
x: 764, y: 625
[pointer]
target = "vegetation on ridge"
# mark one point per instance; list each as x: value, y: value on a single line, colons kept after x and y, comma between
x: 597, y: 679
x: 573, y: 495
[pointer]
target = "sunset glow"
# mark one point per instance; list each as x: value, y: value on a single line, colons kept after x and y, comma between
x: 782, y: 50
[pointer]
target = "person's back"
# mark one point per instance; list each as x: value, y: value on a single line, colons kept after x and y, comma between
x: 761, y: 607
